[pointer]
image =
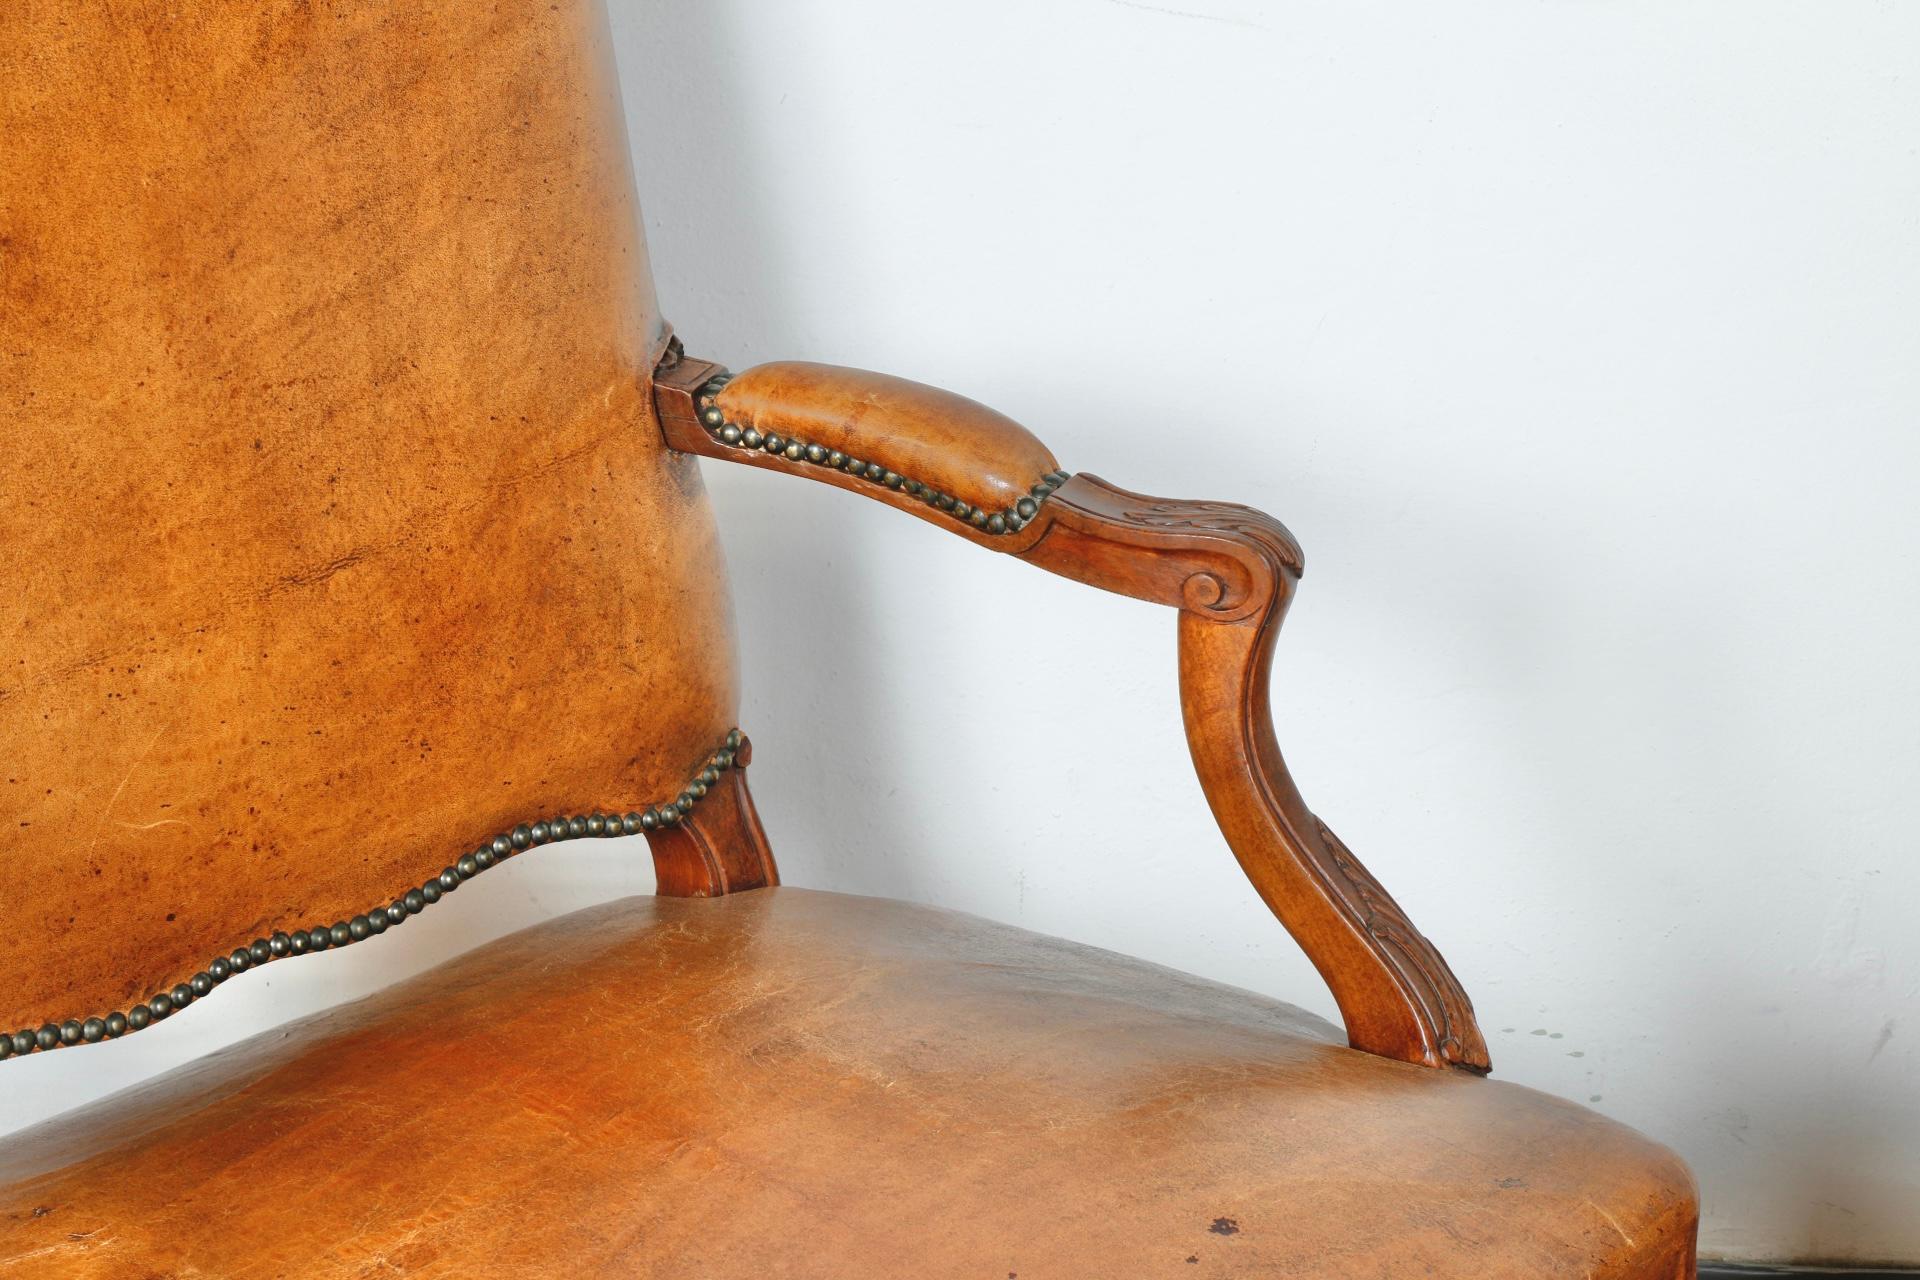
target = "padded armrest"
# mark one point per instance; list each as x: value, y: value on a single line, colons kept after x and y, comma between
x: 1229, y: 570
x: 941, y: 456
x: 948, y: 443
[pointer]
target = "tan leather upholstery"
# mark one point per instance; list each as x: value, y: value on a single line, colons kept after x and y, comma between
x: 338, y: 531
x: 804, y: 1084
x: 942, y: 440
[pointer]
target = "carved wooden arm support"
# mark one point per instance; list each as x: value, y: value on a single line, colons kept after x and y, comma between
x: 1229, y: 570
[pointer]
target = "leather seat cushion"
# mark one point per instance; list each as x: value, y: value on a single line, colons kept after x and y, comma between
x: 797, y: 1083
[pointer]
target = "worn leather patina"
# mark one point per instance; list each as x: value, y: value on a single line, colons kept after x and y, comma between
x: 791, y: 1083
x: 338, y: 532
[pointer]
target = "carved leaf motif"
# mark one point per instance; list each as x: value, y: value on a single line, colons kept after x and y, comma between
x: 1418, y: 961
x: 1245, y: 523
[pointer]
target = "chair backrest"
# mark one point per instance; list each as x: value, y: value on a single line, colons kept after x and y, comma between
x: 338, y: 532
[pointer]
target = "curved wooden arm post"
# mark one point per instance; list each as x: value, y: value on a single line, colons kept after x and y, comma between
x: 717, y: 848
x: 1229, y: 570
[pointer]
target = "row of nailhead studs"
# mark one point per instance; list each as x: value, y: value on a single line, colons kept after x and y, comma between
x: 379, y: 920
x: 1011, y: 520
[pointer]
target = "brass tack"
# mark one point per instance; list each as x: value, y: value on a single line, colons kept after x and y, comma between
x: 751, y: 438
x: 360, y: 927
x: 730, y: 433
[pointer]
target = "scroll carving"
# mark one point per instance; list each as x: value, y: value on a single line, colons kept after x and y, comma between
x: 1231, y: 572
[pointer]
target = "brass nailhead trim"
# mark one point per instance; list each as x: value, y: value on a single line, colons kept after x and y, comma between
x: 411, y: 903
x: 1009, y: 520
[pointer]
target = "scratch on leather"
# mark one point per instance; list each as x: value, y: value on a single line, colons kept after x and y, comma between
x: 314, y: 575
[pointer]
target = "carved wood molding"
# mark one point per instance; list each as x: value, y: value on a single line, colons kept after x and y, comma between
x: 1231, y: 571
x: 718, y: 848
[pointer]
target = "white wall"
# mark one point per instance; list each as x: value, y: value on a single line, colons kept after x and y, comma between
x: 1574, y: 341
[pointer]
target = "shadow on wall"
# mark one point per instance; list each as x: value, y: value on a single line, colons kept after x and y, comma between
x: 811, y: 664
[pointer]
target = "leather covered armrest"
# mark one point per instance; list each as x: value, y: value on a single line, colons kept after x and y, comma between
x: 1229, y: 570
x: 941, y: 456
